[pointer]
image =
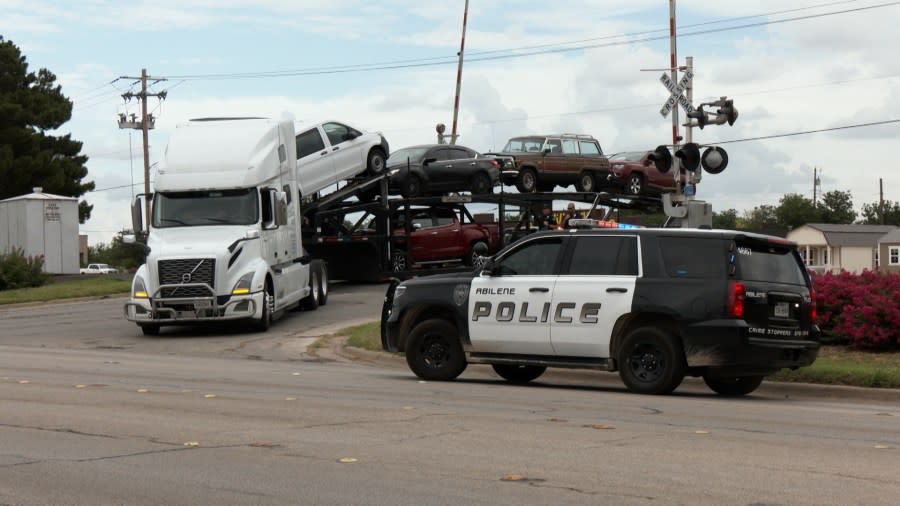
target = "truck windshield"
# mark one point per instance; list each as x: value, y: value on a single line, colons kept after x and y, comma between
x: 204, y: 208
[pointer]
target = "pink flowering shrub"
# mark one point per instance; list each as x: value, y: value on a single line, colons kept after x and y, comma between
x: 859, y: 309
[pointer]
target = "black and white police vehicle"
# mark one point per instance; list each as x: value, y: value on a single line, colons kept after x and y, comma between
x: 654, y: 304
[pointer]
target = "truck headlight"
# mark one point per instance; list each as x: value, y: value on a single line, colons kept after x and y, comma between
x: 138, y: 289
x: 242, y: 287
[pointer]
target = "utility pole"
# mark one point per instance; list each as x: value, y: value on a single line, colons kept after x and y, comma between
x: 673, y: 65
x: 815, y: 184
x: 146, y: 123
x: 462, y: 47
x: 881, y: 200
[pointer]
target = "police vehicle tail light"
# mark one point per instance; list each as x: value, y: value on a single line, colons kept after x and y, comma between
x: 735, y: 305
x: 812, y: 306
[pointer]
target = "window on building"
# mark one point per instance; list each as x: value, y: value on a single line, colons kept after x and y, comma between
x: 893, y: 255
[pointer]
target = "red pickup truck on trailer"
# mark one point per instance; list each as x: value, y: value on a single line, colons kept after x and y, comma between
x: 438, y: 235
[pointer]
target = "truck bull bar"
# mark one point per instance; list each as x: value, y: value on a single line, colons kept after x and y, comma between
x: 193, y: 309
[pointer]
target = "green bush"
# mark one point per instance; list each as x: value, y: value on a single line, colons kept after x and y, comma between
x: 19, y: 271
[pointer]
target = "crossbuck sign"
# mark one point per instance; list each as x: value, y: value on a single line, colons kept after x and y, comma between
x: 676, y: 93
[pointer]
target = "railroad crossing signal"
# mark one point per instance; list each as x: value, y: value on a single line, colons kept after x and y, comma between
x: 677, y: 96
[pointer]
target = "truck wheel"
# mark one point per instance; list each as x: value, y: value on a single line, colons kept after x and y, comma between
x: 585, y: 182
x: 375, y: 161
x: 149, y: 329
x: 398, y: 261
x: 311, y: 302
x: 473, y: 258
x: 323, y: 283
x: 732, y: 387
x: 527, y: 181
x: 265, y: 321
x: 519, y: 373
x: 481, y: 184
x: 635, y: 184
x: 433, y: 351
x: 412, y: 186
x: 651, y: 361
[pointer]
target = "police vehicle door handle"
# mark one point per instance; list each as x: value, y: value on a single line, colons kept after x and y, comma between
x: 616, y: 290
x: 538, y: 289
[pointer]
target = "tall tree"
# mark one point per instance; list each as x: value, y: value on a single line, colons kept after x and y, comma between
x: 726, y: 219
x: 760, y: 218
x: 30, y: 104
x: 837, y: 207
x: 795, y: 210
x: 871, y: 213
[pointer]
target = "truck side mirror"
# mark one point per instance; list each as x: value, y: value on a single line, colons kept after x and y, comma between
x: 281, y: 213
x: 137, y: 216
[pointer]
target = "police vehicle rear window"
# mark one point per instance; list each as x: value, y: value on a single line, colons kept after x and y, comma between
x: 693, y: 257
x: 775, y: 265
x: 605, y: 256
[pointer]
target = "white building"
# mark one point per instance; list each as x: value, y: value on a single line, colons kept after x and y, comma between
x: 827, y: 247
x: 42, y: 224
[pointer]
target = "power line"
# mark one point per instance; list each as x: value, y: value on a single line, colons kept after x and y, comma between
x: 114, y: 187
x: 428, y: 63
x: 805, y: 132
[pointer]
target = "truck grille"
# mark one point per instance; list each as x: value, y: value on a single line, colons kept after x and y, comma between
x: 187, y: 271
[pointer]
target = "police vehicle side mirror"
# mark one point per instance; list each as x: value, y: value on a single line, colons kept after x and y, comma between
x: 489, y: 268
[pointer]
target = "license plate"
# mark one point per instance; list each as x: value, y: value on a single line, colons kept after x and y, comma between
x: 203, y: 304
x: 782, y: 309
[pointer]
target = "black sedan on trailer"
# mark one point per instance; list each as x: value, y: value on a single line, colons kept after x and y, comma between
x: 433, y: 169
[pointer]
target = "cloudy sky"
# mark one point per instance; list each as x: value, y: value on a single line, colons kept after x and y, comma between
x: 531, y: 67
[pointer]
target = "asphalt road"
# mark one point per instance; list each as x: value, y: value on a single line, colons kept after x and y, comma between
x: 93, y: 412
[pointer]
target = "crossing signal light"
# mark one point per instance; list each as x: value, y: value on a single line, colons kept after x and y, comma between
x: 690, y: 156
x: 728, y: 111
x: 714, y: 160
x: 700, y: 116
x: 662, y: 158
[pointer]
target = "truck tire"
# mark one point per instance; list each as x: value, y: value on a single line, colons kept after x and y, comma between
x: 268, y: 305
x: 518, y: 373
x: 149, y: 329
x: 585, y: 182
x: 527, y: 180
x: 323, y: 283
x: 732, y: 387
x: 651, y: 361
x: 311, y: 301
x: 481, y: 184
x: 433, y: 351
x: 473, y: 259
x: 375, y: 161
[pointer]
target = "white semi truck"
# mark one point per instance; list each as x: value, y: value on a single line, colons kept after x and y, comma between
x: 224, y: 236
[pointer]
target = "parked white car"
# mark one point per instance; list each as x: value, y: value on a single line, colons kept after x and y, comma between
x: 331, y: 151
x: 98, y: 269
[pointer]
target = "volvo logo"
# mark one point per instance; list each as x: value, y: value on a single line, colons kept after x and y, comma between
x: 186, y: 277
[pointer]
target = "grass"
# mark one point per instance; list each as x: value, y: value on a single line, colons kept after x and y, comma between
x: 836, y: 365
x: 86, y: 287
x: 839, y: 366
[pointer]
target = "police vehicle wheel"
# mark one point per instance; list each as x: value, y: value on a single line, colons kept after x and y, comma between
x: 433, y: 351
x: 265, y: 321
x: 311, y: 302
x: 585, y: 182
x: 519, y: 373
x: 651, y: 361
x: 733, y: 387
x: 527, y: 181
x: 635, y: 185
x: 481, y: 184
x: 149, y: 330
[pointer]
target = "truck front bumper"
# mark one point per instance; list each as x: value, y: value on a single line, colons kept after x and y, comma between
x: 185, y: 310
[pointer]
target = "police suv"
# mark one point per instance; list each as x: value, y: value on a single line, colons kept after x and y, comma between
x: 654, y: 304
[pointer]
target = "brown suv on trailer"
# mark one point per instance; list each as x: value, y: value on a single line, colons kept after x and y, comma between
x: 544, y: 161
